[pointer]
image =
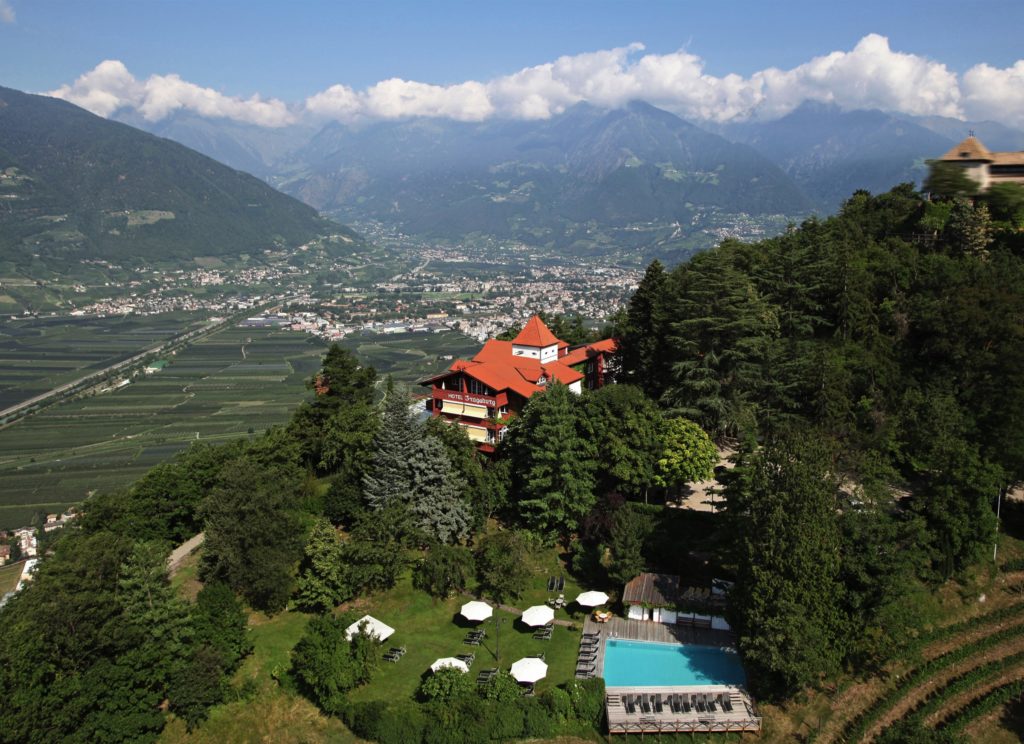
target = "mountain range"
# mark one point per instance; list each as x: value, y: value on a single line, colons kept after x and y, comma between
x: 635, y: 179
x: 76, y: 186
x: 557, y: 180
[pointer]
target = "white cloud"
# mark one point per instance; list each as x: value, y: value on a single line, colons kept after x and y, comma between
x: 110, y: 87
x: 991, y: 93
x: 6, y: 12
x: 871, y: 75
x: 396, y: 98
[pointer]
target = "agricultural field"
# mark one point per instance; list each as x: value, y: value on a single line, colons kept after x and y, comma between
x: 229, y: 384
x: 40, y: 354
x: 410, y: 356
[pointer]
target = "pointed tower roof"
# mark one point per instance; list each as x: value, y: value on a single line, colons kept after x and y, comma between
x: 535, y: 333
x: 970, y: 149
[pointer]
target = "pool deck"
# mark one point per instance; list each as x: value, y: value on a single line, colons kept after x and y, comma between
x: 645, y: 718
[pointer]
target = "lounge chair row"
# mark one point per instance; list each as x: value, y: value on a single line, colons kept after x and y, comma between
x: 486, y: 676
x: 544, y: 634
x: 394, y: 653
x: 468, y: 658
x: 556, y: 583
x: 474, y: 637
x: 585, y: 670
x: 677, y: 703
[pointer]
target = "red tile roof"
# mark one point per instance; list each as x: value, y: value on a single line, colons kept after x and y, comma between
x: 535, y: 333
x: 581, y: 353
x: 497, y: 368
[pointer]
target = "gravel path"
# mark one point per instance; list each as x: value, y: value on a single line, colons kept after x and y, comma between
x: 182, y: 552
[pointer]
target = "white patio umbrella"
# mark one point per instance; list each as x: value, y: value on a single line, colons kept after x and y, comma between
x: 538, y: 615
x: 374, y: 627
x: 476, y: 611
x: 591, y: 599
x: 449, y: 661
x: 529, y: 670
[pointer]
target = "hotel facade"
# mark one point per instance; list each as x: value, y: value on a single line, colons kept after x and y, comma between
x: 484, y: 393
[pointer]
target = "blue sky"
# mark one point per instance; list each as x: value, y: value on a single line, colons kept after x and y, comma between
x: 294, y: 50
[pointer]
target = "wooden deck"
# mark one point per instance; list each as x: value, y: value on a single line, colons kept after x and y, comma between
x: 649, y: 710
x: 634, y: 709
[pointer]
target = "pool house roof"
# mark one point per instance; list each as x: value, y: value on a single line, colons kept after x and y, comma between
x: 652, y: 590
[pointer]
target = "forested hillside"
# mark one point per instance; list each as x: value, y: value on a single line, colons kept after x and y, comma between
x: 868, y: 369
x: 74, y: 186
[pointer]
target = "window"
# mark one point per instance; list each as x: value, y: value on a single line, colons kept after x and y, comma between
x: 503, y: 410
x: 478, y: 388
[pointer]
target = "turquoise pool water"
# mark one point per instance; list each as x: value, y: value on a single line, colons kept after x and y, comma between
x: 637, y: 664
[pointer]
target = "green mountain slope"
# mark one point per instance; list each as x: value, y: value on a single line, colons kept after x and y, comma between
x: 75, y: 186
x: 553, y: 181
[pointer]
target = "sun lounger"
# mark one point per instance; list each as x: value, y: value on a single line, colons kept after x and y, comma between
x: 697, y: 705
x: 710, y: 701
x: 561, y: 584
x: 658, y: 707
x: 630, y: 705
x: 399, y: 650
x: 392, y: 657
x: 551, y: 583
x: 675, y: 704
x: 468, y: 658
x: 645, y: 704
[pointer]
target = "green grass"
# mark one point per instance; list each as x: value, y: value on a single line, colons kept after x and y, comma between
x: 9, y: 576
x: 428, y: 628
x: 431, y: 629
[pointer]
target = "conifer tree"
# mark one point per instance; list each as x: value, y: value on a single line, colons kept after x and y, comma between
x: 642, y: 355
x: 436, y: 502
x: 786, y: 605
x: 389, y: 480
x: 556, y: 462
x: 323, y: 583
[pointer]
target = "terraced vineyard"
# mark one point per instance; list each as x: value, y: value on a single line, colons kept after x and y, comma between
x: 963, y: 671
x: 222, y: 386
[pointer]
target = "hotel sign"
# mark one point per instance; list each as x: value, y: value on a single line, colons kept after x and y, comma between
x: 469, y: 398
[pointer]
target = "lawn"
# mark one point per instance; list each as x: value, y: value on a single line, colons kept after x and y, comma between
x: 431, y: 629
x: 428, y: 628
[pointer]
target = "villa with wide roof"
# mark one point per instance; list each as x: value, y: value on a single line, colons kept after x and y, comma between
x: 985, y: 167
x: 481, y: 394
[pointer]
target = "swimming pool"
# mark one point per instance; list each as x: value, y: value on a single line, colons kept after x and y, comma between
x: 642, y: 664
